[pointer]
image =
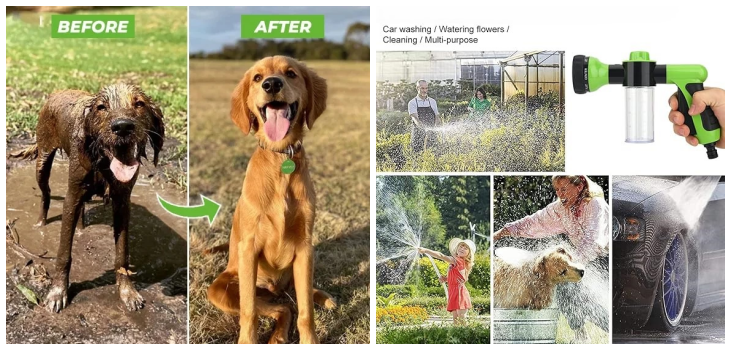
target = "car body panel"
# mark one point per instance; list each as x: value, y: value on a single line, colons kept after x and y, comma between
x: 711, y: 288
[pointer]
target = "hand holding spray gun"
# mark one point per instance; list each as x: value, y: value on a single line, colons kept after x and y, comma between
x: 711, y: 97
x: 639, y: 75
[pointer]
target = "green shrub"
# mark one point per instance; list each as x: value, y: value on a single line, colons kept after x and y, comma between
x: 480, y: 275
x: 431, y: 292
x: 474, y: 292
x: 543, y: 100
x: 491, y: 89
x: 393, y: 122
x: 430, y: 304
x: 403, y: 91
x: 424, y: 275
x: 520, y: 147
x: 426, y: 278
x: 532, y: 142
x: 401, y: 291
x: 439, y: 292
x: 481, y: 305
x: 473, y: 333
x: 385, y: 301
x: 448, y: 108
x: 391, y: 150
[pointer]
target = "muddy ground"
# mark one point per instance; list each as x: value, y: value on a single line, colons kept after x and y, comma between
x: 158, y: 253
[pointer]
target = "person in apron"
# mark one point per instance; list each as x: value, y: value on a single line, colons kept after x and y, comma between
x: 424, y: 115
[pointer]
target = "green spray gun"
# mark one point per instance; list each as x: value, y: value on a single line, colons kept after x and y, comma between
x: 639, y: 75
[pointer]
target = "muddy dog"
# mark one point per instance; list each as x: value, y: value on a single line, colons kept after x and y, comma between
x: 104, y: 136
x: 529, y: 283
x: 270, y: 248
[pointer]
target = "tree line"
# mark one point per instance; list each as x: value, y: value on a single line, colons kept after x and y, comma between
x: 355, y: 46
x: 445, y: 205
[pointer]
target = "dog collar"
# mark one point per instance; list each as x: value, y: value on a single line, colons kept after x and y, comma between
x: 290, y: 150
x: 288, y: 165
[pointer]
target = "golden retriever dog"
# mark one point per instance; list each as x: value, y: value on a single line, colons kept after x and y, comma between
x: 270, y: 248
x: 527, y: 281
x: 104, y: 136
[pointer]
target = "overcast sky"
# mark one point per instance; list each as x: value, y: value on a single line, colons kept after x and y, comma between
x: 212, y: 27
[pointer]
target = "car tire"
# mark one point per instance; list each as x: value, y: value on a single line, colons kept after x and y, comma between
x: 672, y: 292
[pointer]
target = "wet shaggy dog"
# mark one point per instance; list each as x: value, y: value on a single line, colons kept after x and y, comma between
x: 530, y: 283
x: 270, y: 248
x: 104, y: 136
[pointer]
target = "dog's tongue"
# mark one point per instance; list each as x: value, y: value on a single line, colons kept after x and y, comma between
x: 123, y: 172
x: 277, y: 124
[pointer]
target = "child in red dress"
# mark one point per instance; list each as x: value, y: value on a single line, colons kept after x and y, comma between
x: 460, y: 265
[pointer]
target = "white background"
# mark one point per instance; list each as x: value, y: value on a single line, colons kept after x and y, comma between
x: 673, y: 32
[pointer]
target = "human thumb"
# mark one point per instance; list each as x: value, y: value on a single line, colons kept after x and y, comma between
x: 711, y: 97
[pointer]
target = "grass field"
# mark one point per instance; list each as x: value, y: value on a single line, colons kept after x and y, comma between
x: 156, y: 60
x: 338, y: 155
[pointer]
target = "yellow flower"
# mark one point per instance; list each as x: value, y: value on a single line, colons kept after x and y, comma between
x: 401, y: 315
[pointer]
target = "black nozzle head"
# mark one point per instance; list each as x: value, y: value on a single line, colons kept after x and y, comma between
x: 711, y: 151
x: 580, y: 74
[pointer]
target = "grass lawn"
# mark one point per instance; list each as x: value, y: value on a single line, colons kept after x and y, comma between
x: 338, y: 155
x: 472, y: 333
x: 156, y: 60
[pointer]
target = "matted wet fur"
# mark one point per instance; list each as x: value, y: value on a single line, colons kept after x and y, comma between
x: 104, y: 136
x: 270, y: 248
x: 531, y: 285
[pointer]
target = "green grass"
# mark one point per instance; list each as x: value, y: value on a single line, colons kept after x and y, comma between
x: 156, y: 60
x: 473, y: 333
x: 338, y: 156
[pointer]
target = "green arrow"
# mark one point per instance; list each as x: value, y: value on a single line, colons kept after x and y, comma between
x: 208, y: 209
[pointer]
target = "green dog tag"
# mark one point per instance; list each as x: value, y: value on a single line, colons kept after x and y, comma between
x: 288, y: 166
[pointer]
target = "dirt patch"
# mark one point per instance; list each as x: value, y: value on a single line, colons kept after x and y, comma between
x: 158, y: 254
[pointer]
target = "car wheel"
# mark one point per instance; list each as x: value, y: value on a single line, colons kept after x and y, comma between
x: 672, y: 293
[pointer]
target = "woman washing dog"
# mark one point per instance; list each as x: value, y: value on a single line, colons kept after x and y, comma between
x: 460, y: 265
x: 582, y: 214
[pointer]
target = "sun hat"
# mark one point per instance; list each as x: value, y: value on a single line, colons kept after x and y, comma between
x: 454, y: 243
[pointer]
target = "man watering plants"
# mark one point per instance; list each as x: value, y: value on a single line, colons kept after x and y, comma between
x: 424, y: 115
x: 581, y: 213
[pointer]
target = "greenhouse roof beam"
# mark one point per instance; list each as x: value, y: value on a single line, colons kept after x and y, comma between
x: 547, y: 57
x: 521, y: 56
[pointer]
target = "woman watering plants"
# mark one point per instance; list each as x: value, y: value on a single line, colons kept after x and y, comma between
x: 582, y: 214
x: 479, y: 106
x: 460, y: 266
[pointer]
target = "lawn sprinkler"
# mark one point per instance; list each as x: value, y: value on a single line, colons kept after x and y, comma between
x: 639, y: 75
